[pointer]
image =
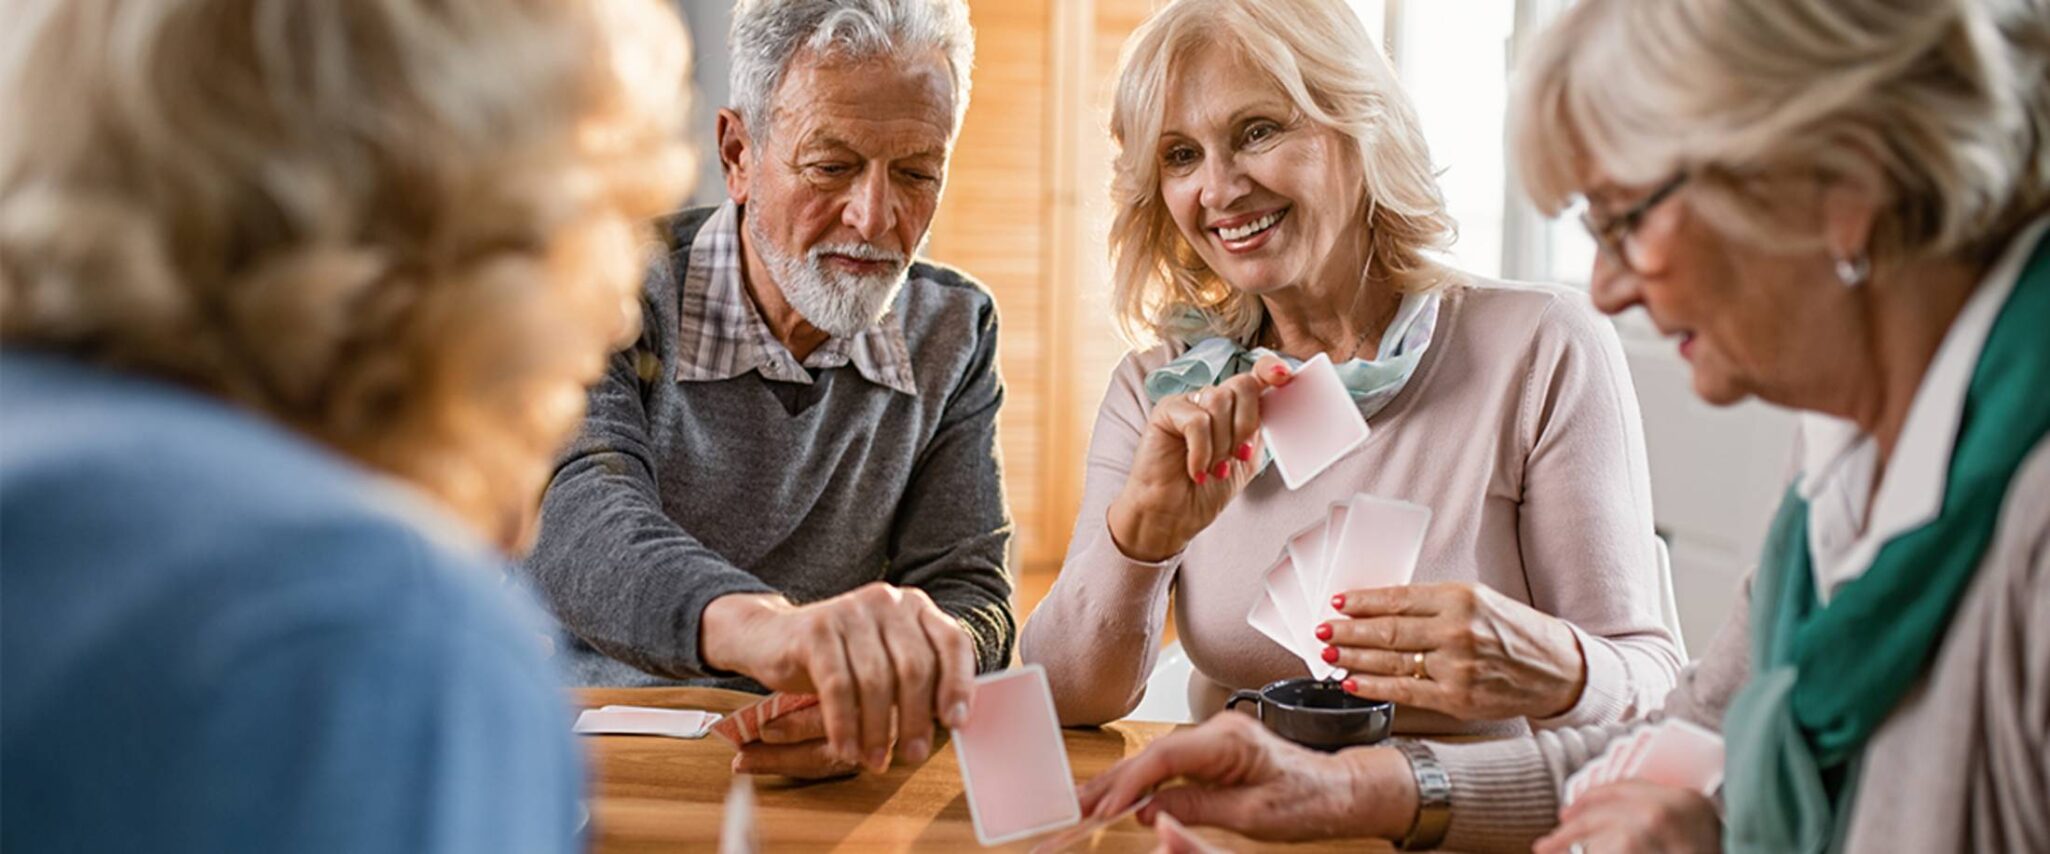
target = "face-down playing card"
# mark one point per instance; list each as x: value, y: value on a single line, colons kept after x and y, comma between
x: 1672, y: 752
x: 1279, y: 614
x: 1377, y: 548
x: 1310, y: 423
x: 1013, y: 761
x: 1680, y: 753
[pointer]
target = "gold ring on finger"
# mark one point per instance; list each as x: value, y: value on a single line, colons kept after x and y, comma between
x: 1416, y: 666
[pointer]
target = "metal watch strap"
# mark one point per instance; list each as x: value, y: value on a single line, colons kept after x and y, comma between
x: 1433, y: 797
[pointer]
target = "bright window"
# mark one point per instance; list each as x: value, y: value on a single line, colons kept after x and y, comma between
x: 1455, y: 60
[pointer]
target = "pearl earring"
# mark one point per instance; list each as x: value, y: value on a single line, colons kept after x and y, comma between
x: 1853, y: 270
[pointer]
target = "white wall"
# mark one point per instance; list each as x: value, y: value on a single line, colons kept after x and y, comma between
x: 1716, y: 478
x: 708, y: 20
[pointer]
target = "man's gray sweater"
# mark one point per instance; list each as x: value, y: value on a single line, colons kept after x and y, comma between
x: 676, y: 493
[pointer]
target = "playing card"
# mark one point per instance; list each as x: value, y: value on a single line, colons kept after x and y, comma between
x: 1623, y: 760
x: 1672, y: 752
x: 745, y: 725
x: 1013, y: 761
x: 1075, y: 836
x: 737, y: 825
x: 1184, y: 839
x: 1284, y: 584
x: 1377, y: 548
x: 1595, y: 769
x: 1290, y: 616
x: 1308, y: 550
x: 1267, y: 620
x: 1310, y: 423
x: 1317, y: 582
x: 1681, y: 753
x: 1577, y: 784
x: 637, y: 720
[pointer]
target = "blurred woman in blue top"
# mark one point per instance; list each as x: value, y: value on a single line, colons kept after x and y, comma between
x: 297, y: 299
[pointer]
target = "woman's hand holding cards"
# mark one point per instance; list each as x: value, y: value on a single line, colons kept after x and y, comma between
x: 1456, y: 647
x: 1198, y: 451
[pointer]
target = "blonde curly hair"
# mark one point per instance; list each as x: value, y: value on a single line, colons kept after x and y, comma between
x: 1322, y: 58
x: 411, y: 229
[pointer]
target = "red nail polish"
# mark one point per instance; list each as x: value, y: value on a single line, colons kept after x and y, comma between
x: 1338, y: 601
x: 1244, y: 452
x: 1221, y: 470
x: 1350, y: 686
x: 1324, y: 631
x: 1280, y: 371
x: 1331, y: 655
x: 1202, y: 478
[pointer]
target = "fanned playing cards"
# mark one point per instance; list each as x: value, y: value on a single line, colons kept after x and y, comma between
x: 1360, y: 543
x: 745, y: 725
x: 1671, y: 752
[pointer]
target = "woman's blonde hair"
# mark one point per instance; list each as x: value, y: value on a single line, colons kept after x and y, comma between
x: 412, y: 229
x: 1320, y: 55
x: 1942, y: 105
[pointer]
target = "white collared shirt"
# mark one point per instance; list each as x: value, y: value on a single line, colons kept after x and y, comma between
x: 1839, y: 460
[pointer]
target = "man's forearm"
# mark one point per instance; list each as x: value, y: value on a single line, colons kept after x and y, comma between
x: 989, y: 623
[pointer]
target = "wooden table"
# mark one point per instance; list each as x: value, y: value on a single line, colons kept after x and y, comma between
x: 665, y: 794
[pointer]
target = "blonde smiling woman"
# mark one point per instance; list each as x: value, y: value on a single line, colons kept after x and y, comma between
x: 1275, y: 199
x: 298, y: 299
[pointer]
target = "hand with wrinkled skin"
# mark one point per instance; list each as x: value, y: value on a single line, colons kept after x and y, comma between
x: 1634, y: 816
x: 884, y: 660
x: 1196, y: 455
x: 1242, y: 778
x: 795, y: 746
x: 1487, y: 656
x: 1173, y: 838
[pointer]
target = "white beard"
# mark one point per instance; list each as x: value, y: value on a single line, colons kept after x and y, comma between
x: 839, y: 304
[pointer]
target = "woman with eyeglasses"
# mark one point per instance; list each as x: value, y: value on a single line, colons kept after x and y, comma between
x: 1837, y: 206
x: 1276, y: 202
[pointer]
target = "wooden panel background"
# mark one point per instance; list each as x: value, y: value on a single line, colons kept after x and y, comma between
x: 1025, y: 211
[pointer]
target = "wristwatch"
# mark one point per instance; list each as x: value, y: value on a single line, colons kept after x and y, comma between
x: 1433, y: 797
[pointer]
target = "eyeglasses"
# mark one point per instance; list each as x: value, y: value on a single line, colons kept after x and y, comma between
x: 1613, y: 236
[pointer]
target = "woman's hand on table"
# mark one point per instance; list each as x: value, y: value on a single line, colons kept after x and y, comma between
x: 1633, y: 816
x: 1197, y: 452
x: 1485, y: 655
x: 1248, y: 780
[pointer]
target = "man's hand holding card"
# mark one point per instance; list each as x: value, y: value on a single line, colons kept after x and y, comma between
x: 884, y: 663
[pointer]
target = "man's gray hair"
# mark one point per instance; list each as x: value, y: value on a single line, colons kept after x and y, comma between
x: 768, y: 34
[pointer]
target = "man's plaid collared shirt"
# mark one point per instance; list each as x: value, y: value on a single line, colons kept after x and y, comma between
x: 721, y: 335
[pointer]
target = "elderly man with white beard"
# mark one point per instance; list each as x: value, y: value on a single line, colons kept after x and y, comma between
x: 791, y: 481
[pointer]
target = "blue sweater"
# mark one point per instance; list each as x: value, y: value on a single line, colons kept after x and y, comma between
x: 217, y: 636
